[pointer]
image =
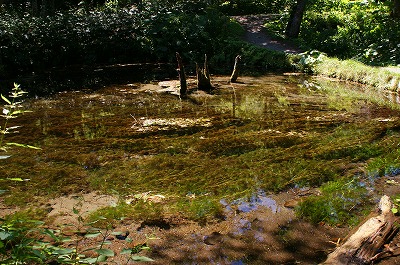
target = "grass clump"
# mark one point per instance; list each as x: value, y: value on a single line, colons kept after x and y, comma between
x: 350, y: 70
x: 340, y: 202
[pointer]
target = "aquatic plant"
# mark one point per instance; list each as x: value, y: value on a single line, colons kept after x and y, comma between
x: 339, y: 203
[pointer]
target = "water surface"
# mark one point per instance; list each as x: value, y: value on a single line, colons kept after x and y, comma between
x: 244, y: 140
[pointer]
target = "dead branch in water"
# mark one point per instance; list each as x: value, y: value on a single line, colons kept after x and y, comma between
x: 235, y: 72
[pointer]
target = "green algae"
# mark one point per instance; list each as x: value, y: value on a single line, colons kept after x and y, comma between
x: 269, y: 133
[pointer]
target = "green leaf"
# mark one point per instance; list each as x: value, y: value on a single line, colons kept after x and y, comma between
x: 89, y: 261
x: 5, y: 99
x: 395, y: 210
x: 75, y: 211
x: 14, y: 179
x: 50, y: 233
x: 105, y: 252
x: 92, y: 235
x: 24, y: 145
x: 39, y: 253
x: 101, y: 258
x: 4, y: 235
x: 126, y: 251
x: 141, y: 258
x: 63, y: 251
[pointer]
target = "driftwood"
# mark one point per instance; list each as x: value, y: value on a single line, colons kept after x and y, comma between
x: 367, y: 243
x: 203, y: 76
x: 182, y: 76
x: 235, y: 72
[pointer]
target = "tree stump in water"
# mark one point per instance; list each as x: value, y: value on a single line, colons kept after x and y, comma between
x: 203, y: 77
x: 235, y: 72
x: 182, y: 76
x: 365, y: 245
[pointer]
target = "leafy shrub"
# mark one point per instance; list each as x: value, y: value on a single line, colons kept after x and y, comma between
x: 245, y: 7
x: 29, y: 43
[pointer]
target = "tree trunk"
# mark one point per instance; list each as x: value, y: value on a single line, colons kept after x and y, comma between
x: 396, y: 9
x: 182, y: 76
x: 203, y: 77
x: 235, y: 71
x: 35, y: 7
x: 296, y: 16
x: 365, y: 245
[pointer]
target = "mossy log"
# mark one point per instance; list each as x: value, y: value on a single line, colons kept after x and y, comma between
x: 235, y: 72
x: 369, y: 242
x: 203, y: 77
x: 182, y: 76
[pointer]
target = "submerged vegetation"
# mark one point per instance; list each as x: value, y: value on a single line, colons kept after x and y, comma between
x: 132, y: 141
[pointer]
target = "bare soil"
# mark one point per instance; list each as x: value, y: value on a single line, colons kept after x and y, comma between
x: 262, y: 231
x: 255, y: 34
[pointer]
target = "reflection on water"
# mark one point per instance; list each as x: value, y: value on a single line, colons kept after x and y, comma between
x: 253, y: 203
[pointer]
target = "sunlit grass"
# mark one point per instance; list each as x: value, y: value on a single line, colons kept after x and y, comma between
x: 349, y: 70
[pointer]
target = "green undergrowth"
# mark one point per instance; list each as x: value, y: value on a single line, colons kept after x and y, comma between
x: 350, y: 70
x: 364, y: 30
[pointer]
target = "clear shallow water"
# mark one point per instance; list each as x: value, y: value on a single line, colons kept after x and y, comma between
x: 213, y: 156
x: 263, y: 134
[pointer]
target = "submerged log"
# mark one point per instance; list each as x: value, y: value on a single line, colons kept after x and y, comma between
x: 203, y: 77
x: 365, y: 245
x: 182, y: 76
x: 235, y: 72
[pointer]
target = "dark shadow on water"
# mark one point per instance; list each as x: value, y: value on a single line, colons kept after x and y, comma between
x: 90, y: 77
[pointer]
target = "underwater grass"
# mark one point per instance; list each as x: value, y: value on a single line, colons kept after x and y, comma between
x: 340, y: 202
x: 283, y: 135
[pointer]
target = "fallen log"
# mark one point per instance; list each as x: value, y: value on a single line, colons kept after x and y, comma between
x: 367, y: 243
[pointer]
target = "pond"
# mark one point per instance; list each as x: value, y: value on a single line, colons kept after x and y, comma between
x: 207, y: 156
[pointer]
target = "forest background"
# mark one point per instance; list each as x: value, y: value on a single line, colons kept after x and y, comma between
x: 38, y: 35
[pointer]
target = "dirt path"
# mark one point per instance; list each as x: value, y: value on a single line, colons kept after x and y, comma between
x: 256, y: 35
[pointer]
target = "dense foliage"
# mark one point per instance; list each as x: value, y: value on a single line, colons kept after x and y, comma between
x: 30, y: 43
x: 36, y: 37
x: 362, y: 30
x: 109, y: 34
